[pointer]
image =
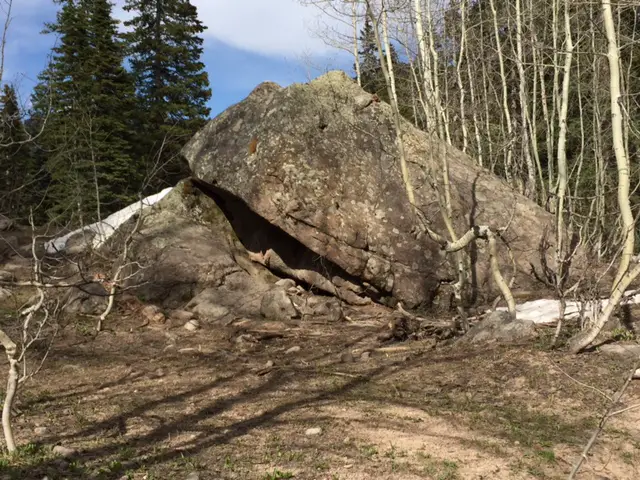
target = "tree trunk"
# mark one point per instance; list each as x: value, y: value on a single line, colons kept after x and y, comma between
x: 12, y: 386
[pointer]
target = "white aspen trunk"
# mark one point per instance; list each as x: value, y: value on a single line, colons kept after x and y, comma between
x: 474, y: 112
x: 533, y: 125
x: 354, y: 24
x: 485, y: 92
x: 555, y: 87
x: 443, y: 127
x: 531, y: 184
x: 425, y: 63
x: 12, y: 386
x: 561, y: 248
x: 624, y: 276
x: 461, y: 87
x: 505, y: 100
x: 628, y: 79
x: 394, y: 106
x: 581, y: 154
x: 622, y: 161
x: 8, y: 4
x: 600, y: 209
x: 387, y: 50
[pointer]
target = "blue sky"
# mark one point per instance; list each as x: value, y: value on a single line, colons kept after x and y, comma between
x: 247, y: 42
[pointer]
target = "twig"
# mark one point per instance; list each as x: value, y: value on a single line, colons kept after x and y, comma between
x: 608, y: 414
x: 582, y: 384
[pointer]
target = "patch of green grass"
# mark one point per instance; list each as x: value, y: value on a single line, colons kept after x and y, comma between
x: 277, y: 475
x: 449, y: 471
x: 114, y: 467
x: 529, y: 427
x: 547, y: 456
x: 369, y: 451
x: 229, y: 464
x: 627, y: 457
x: 439, y: 469
x: 621, y: 334
x: 33, y: 460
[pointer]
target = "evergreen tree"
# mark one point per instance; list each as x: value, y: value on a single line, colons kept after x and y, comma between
x: 86, y: 98
x: 171, y: 83
x: 369, y: 62
x: 372, y: 78
x: 16, y: 163
x: 111, y: 109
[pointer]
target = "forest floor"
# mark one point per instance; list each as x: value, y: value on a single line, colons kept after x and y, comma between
x: 161, y: 402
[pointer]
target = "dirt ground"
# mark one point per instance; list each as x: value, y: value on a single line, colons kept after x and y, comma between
x: 161, y: 402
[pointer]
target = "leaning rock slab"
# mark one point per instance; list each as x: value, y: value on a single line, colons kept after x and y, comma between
x: 319, y: 162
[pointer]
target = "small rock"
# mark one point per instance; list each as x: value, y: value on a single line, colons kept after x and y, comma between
x: 5, y: 223
x: 181, y: 315
x: 269, y: 364
x: 365, y: 356
x: 324, y: 308
x: 363, y: 101
x: 622, y: 349
x: 4, y: 293
x: 499, y: 327
x: 347, y: 357
x: 40, y: 430
x: 294, y: 349
x: 153, y: 314
x: 193, y: 476
x: 276, y: 305
x: 211, y: 311
x: 286, y: 283
x: 309, y: 432
x: 7, y: 276
x: 192, y: 325
x: 64, y: 451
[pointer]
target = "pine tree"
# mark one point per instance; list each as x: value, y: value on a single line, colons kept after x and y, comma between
x: 369, y: 62
x: 111, y: 110
x: 16, y: 163
x: 171, y: 83
x: 86, y: 98
x: 373, y: 80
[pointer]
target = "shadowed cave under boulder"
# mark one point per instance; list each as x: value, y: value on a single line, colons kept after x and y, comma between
x: 257, y: 235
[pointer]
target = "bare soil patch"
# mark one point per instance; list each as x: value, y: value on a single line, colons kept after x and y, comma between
x: 161, y: 402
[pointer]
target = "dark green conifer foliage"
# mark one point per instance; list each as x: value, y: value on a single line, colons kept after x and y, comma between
x: 372, y: 78
x: 17, y: 170
x: 86, y: 99
x: 165, y: 47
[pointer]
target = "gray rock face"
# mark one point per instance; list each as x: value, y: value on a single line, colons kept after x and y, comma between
x: 500, y: 327
x: 319, y: 162
x: 189, y: 249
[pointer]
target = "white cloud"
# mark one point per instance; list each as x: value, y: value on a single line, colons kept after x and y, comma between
x: 268, y: 27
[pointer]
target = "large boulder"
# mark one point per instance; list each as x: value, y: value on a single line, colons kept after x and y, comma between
x: 319, y: 162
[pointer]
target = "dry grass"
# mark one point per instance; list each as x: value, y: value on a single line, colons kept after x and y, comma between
x: 137, y: 404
